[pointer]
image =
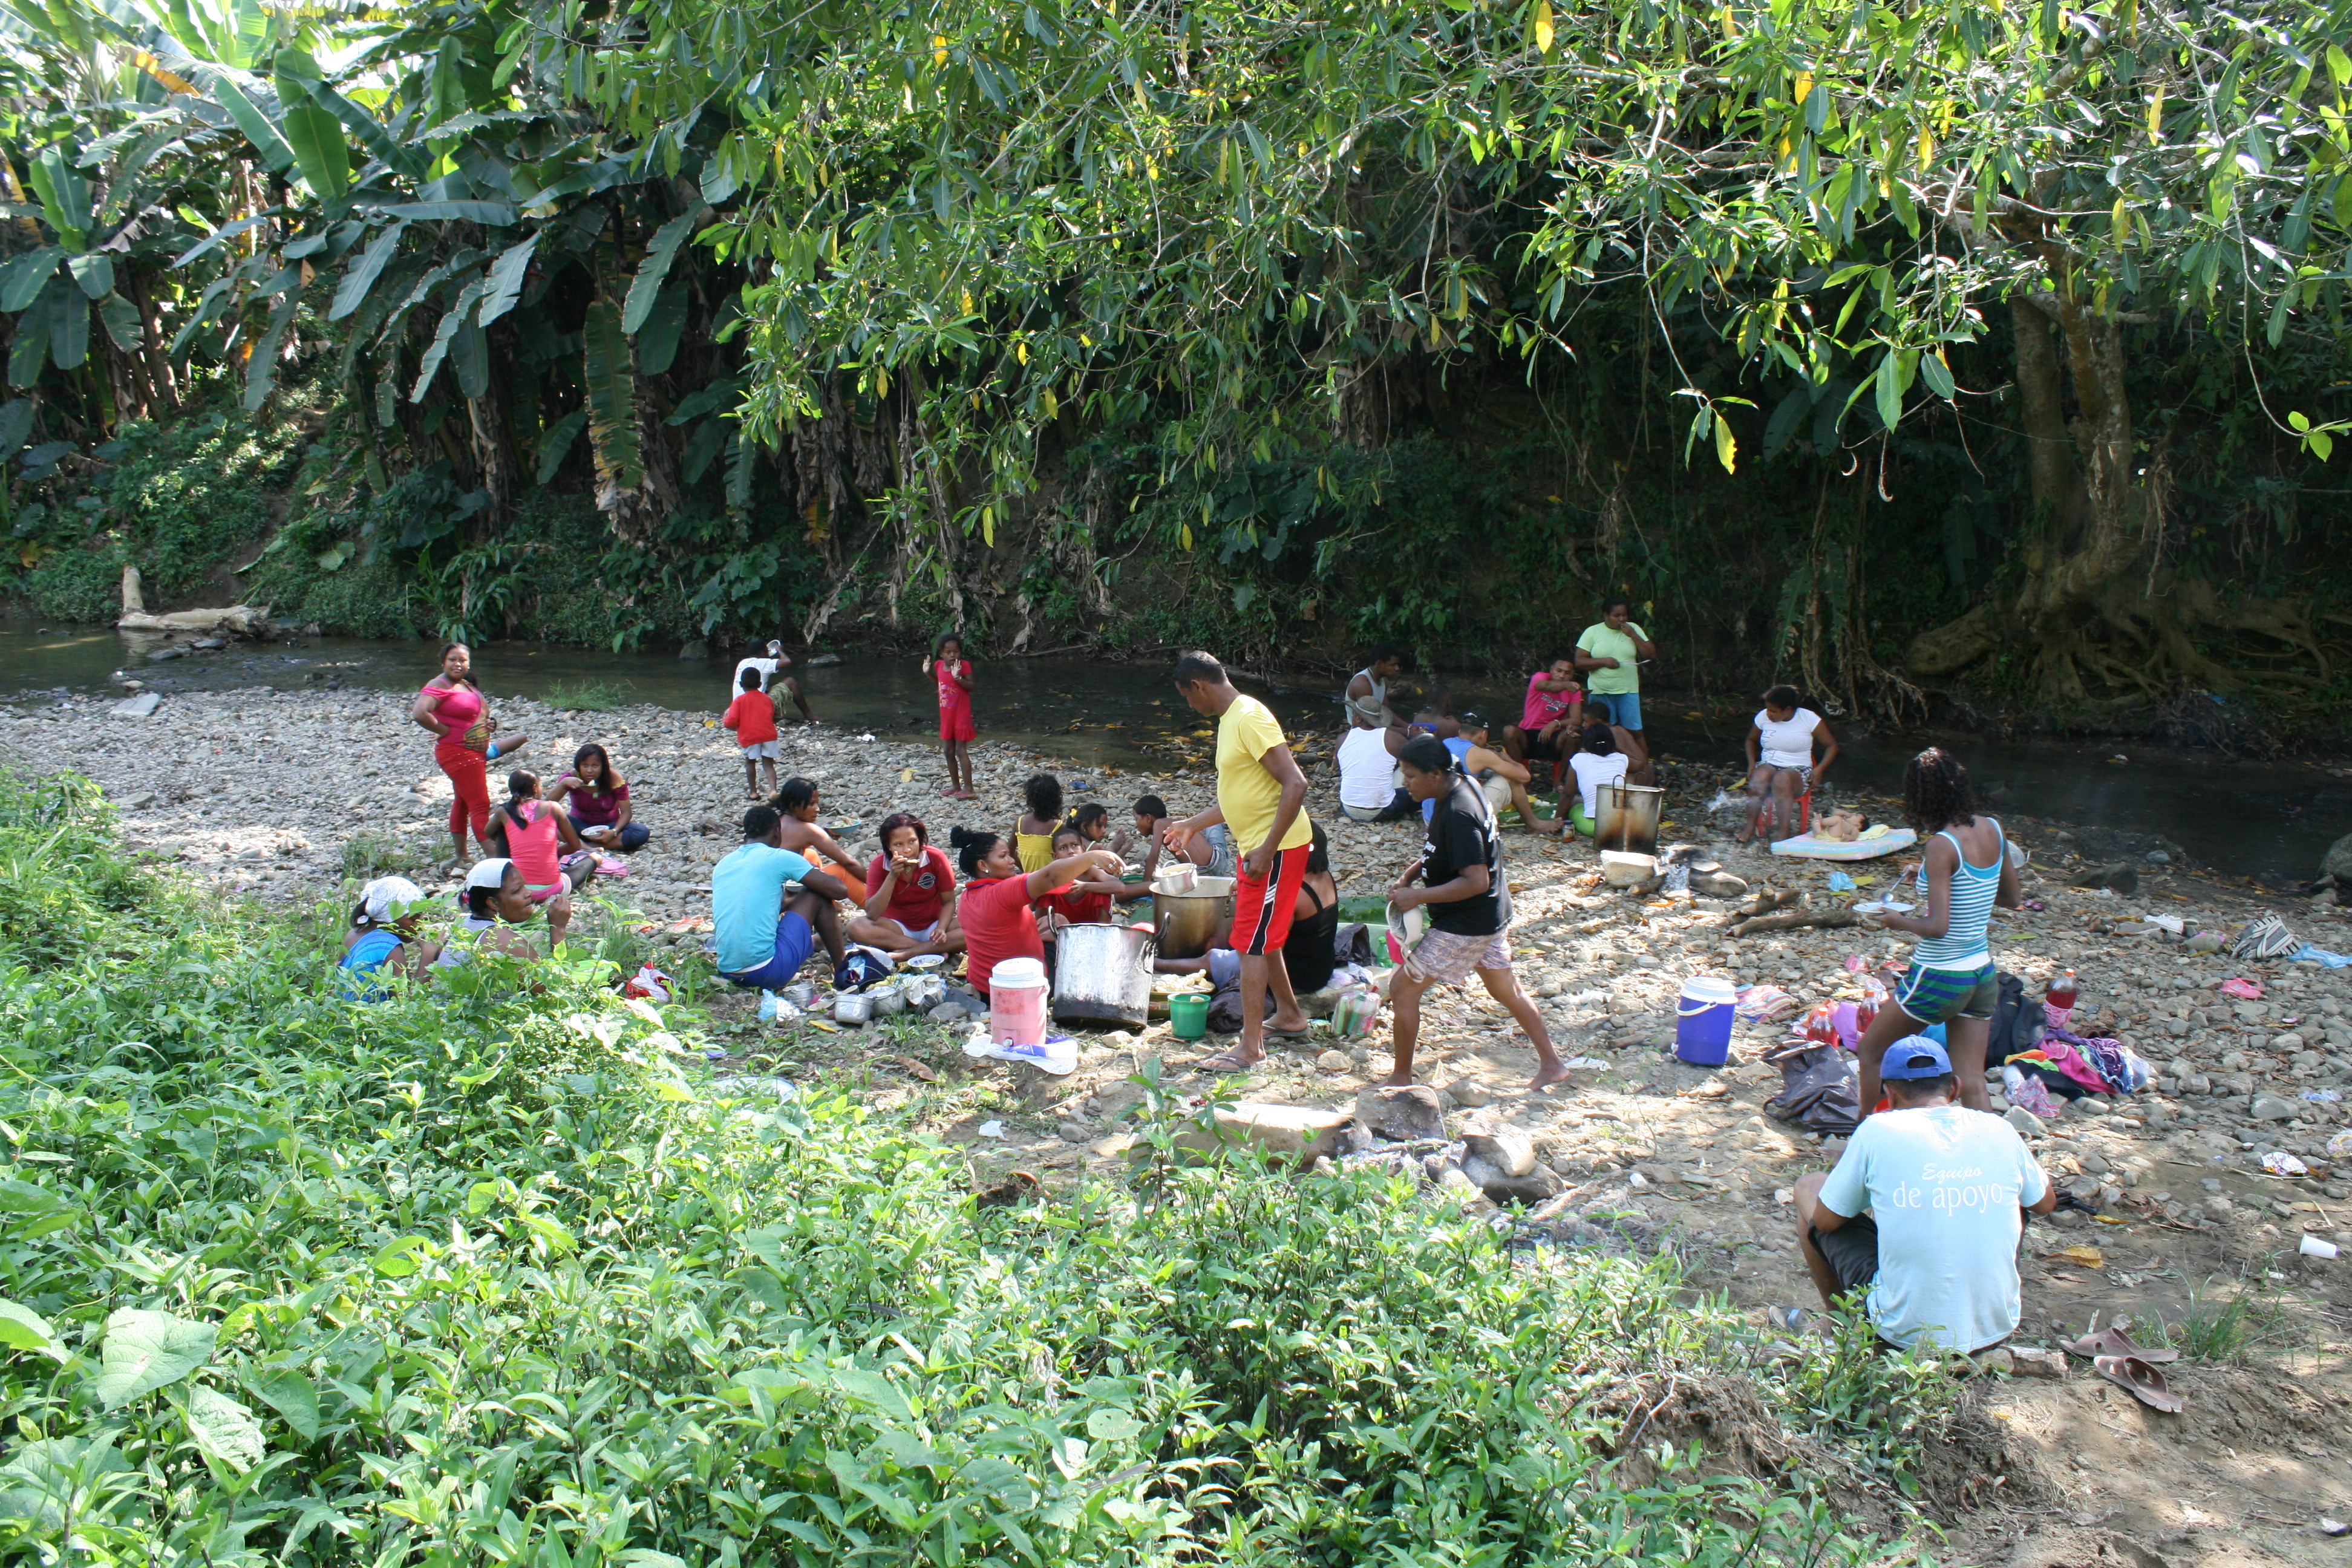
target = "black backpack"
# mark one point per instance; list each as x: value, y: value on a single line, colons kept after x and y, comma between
x: 2017, y: 1024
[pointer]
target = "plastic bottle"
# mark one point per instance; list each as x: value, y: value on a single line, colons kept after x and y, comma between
x: 2062, y: 992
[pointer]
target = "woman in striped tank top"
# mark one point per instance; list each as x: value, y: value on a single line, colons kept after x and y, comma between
x: 1952, y: 979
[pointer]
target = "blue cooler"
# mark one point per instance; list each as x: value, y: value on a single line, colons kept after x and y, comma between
x: 1703, y: 1021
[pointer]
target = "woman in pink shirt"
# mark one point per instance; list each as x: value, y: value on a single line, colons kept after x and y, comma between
x: 453, y: 708
x: 545, y: 847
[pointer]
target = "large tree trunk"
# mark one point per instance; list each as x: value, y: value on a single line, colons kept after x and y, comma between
x: 2088, y: 502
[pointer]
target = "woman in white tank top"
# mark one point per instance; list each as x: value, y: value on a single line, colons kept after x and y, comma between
x: 1781, y: 765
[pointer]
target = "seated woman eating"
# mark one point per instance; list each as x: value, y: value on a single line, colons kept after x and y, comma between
x: 544, y: 848
x: 798, y: 804
x: 913, y: 890
x: 383, y: 940
x: 1780, y: 767
x: 597, y: 800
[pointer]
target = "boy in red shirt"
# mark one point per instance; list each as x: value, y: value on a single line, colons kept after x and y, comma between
x: 752, y: 717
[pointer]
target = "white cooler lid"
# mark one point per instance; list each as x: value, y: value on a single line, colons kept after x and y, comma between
x: 1018, y: 972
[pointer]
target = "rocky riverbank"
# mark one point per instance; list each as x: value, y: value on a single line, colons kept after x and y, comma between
x: 278, y: 795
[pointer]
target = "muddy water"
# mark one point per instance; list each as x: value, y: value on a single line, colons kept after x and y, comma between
x: 2259, y: 819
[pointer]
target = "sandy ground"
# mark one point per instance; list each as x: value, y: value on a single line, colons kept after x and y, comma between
x: 268, y: 793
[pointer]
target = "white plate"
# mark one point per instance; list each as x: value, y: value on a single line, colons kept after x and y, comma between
x: 926, y: 961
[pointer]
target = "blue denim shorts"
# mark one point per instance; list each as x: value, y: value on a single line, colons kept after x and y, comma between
x: 1624, y: 708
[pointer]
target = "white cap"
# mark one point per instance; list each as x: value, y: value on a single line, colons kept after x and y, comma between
x: 387, y: 899
x: 489, y: 873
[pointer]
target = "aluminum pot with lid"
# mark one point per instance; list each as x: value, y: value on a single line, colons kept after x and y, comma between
x: 1187, y: 925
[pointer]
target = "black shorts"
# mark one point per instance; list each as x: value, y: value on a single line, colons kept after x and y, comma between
x: 1541, y: 750
x: 1852, y: 1250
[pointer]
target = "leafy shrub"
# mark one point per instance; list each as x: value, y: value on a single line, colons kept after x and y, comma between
x: 77, y: 585
x: 486, y: 1272
x: 583, y: 696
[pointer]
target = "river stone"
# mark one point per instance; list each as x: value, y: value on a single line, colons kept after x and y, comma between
x: 1334, y: 1060
x: 2286, y: 1045
x: 2196, y: 1083
x: 1508, y: 1152
x: 2025, y: 1120
x: 1403, y: 1114
x: 1532, y: 1187
x: 1469, y: 1092
x: 137, y: 707
x: 1297, y: 1131
x: 2270, y: 1107
x: 947, y: 1013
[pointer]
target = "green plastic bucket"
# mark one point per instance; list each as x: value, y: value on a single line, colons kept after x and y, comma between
x: 1188, y: 1015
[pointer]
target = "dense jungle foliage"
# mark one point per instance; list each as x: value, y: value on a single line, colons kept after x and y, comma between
x: 1940, y: 347
x: 480, y: 1275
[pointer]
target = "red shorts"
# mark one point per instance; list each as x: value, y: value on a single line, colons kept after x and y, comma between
x: 1262, y: 914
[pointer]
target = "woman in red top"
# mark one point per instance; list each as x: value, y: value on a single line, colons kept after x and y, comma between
x: 949, y: 667
x: 454, y: 710
x: 913, y: 887
x: 998, y: 920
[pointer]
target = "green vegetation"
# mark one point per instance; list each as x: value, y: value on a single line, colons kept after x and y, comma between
x: 1280, y: 327
x: 584, y: 696
x: 491, y: 1274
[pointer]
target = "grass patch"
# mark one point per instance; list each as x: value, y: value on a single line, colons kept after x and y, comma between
x: 493, y: 1272
x: 584, y: 696
x: 2228, y: 1328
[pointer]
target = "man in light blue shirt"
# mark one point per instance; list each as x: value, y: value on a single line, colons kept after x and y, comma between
x: 1925, y: 1209
x: 762, y: 940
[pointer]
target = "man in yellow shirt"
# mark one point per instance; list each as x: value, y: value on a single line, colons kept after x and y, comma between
x: 1261, y: 801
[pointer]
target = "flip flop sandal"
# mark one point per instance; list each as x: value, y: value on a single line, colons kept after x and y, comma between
x: 1223, y: 1062
x: 2143, y: 1382
x: 2115, y: 1342
x: 1291, y: 1033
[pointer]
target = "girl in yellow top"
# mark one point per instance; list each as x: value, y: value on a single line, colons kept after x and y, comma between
x: 1032, y: 833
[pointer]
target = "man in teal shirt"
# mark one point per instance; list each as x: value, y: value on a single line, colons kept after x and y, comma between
x: 762, y: 940
x: 1609, y: 655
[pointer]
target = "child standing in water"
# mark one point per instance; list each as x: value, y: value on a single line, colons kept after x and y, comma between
x: 949, y: 667
x: 752, y: 717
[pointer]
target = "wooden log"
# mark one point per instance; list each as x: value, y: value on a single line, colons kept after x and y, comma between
x: 1827, y: 919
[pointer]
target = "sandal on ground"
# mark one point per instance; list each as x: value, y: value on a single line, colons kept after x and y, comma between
x: 1291, y: 1033
x: 2143, y: 1382
x: 2112, y: 1341
x: 1227, y: 1061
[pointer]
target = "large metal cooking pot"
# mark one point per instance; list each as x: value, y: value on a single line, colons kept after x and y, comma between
x: 1625, y: 816
x: 1102, y: 975
x: 1185, y: 924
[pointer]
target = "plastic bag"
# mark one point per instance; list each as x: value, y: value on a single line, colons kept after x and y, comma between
x: 650, y: 984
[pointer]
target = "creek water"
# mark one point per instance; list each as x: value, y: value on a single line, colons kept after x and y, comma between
x: 2272, y: 820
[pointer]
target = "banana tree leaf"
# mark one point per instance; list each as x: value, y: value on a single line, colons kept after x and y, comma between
x: 658, y: 344
x: 504, y: 285
x: 68, y: 326
x: 262, y: 365
x: 553, y: 447
x: 295, y: 69
x: 448, y: 332
x: 25, y: 363
x: 645, y: 288
x: 469, y: 352
x: 494, y: 214
x: 612, y: 406
x: 95, y: 272
x: 319, y: 150
x: 387, y: 389
x: 223, y: 235
x: 65, y: 197
x: 361, y: 274
x: 122, y: 320
x: 740, y: 456
x: 15, y: 425
x: 258, y: 129
x: 709, y: 439
x: 22, y: 277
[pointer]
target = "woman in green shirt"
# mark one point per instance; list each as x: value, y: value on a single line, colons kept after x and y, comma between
x: 1609, y: 655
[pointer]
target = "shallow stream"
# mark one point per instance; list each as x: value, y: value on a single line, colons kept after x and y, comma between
x: 2262, y: 820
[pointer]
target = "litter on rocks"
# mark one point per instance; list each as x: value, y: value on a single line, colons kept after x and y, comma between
x: 2279, y: 1163
x: 991, y: 1130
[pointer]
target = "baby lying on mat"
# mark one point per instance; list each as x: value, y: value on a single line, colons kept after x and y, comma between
x: 1841, y: 827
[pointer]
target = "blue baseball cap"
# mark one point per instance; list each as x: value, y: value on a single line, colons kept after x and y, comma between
x: 1916, y: 1058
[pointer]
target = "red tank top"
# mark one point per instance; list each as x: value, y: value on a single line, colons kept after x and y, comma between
x: 532, y: 845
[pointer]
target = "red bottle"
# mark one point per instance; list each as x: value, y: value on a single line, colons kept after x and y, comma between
x: 2062, y: 992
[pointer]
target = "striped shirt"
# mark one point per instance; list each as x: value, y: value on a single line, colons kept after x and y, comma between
x: 1962, y: 945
